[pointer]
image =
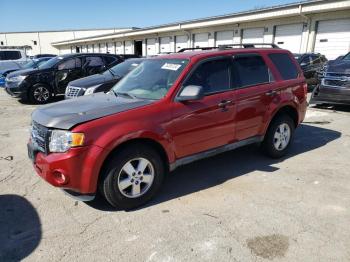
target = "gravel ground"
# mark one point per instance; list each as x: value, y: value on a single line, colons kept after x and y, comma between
x: 238, y: 206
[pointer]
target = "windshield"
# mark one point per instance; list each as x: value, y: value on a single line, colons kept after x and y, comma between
x: 29, y: 64
x: 152, y: 79
x: 123, y: 68
x: 52, y: 62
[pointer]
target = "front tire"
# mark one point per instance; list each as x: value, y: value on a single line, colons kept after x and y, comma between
x: 279, y: 136
x: 132, y: 177
x: 40, y: 94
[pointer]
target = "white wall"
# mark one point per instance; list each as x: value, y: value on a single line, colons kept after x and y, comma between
x: 44, y: 39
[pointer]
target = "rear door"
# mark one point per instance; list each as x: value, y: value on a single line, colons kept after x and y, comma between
x: 67, y: 71
x: 254, y: 91
x: 198, y: 126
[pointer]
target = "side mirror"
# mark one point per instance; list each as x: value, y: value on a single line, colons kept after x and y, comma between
x: 191, y: 93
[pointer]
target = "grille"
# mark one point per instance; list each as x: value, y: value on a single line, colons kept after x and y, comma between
x: 72, y: 91
x: 39, y: 136
x: 337, y: 83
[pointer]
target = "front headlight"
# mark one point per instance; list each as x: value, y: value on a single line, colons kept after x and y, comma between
x: 90, y: 90
x: 61, y: 141
x: 16, y: 78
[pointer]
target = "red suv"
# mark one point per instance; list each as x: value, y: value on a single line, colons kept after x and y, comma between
x: 169, y: 111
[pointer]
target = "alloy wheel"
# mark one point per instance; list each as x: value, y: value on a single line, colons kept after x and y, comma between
x: 282, y: 137
x: 136, y: 177
x: 41, y: 94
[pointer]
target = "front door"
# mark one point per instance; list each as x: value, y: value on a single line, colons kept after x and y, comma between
x: 202, y: 125
x: 67, y: 71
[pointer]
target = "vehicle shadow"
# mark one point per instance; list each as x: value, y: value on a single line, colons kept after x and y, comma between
x: 340, y: 108
x: 20, y: 228
x: 216, y: 170
x: 54, y: 99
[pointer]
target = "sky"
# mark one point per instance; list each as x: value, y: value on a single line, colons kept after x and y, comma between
x: 34, y: 15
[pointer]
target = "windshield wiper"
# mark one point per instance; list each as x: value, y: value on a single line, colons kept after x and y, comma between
x: 124, y: 94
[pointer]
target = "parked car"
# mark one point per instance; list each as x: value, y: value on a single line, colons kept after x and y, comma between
x: 7, y: 67
x: 51, y: 78
x: 170, y: 111
x: 17, y: 55
x: 101, y: 82
x: 311, y: 63
x: 43, y: 55
x: 335, y: 84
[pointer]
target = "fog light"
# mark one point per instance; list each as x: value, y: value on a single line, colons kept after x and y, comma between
x: 59, y: 177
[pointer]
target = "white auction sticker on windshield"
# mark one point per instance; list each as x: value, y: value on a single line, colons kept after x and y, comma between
x: 173, y: 67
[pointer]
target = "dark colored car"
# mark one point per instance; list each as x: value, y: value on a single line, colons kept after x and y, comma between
x: 7, y: 67
x: 335, y: 83
x: 101, y: 82
x: 51, y: 78
x: 44, y: 55
x: 311, y: 64
x: 169, y: 111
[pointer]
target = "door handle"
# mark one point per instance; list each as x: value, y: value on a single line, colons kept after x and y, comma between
x: 224, y: 103
x: 271, y: 93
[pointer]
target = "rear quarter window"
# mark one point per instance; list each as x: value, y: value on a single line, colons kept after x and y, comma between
x: 285, y: 65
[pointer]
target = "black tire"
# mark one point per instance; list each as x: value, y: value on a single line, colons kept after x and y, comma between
x: 268, y: 144
x: 40, y: 94
x: 108, y: 183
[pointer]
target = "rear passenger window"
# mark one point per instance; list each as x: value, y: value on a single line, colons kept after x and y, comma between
x: 213, y: 76
x: 249, y: 70
x: 285, y: 66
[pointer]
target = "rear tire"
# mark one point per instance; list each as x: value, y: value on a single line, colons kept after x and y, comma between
x: 279, y: 136
x: 132, y: 177
x: 40, y: 94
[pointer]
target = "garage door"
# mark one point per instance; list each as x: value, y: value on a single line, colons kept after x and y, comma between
x: 289, y: 37
x: 333, y: 38
x: 96, y: 48
x: 253, y: 35
x: 90, y: 49
x: 128, y: 48
x: 103, y: 48
x: 181, y: 42
x: 201, y: 40
x: 151, y: 46
x: 224, y: 38
x: 165, y: 45
x: 110, y: 48
x: 119, y: 48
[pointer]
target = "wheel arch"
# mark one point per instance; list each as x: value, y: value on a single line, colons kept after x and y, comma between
x: 289, y: 110
x: 136, y: 141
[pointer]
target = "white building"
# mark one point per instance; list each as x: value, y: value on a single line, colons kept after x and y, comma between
x: 311, y: 26
x: 40, y: 42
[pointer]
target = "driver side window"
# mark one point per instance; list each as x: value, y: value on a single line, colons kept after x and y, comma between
x: 70, y: 64
x: 213, y: 76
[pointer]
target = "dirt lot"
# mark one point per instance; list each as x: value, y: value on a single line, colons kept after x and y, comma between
x: 239, y: 206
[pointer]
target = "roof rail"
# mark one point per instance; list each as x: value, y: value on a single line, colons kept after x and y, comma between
x: 196, y: 48
x: 248, y: 45
x: 224, y: 47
